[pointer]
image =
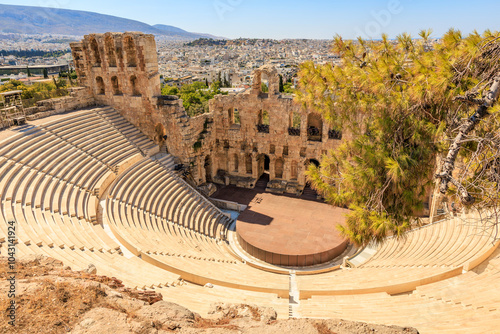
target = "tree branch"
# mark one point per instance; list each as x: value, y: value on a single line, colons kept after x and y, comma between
x: 467, y: 127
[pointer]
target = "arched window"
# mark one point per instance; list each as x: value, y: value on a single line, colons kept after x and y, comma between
x: 133, y: 85
x: 96, y: 55
x: 234, y: 116
x: 116, y: 86
x: 314, y: 127
x: 100, y: 86
x: 110, y: 51
x: 263, y: 121
x: 130, y: 51
x: 294, y: 129
x: 248, y: 163
x: 264, y: 83
x: 278, y: 168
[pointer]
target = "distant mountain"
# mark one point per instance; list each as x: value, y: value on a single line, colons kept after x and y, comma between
x: 43, y: 20
x: 183, y: 33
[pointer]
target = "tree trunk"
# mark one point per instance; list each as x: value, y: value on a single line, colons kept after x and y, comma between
x: 468, y: 126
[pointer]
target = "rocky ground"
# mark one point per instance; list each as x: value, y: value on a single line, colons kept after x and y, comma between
x: 52, y: 298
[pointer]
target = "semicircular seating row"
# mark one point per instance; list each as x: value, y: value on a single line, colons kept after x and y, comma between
x: 431, y: 253
x: 50, y: 175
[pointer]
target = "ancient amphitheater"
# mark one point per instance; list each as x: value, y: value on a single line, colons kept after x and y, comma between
x: 88, y: 180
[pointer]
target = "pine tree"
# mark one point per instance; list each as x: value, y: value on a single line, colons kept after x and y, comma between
x: 45, y: 74
x: 403, y: 102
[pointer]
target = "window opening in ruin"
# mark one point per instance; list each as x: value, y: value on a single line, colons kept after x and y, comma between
x: 285, y: 150
x: 248, y: 163
x: 335, y: 134
x: 133, y: 84
x: 110, y: 48
x: 263, y: 121
x: 294, y: 129
x: 130, y: 50
x: 272, y: 149
x: 314, y: 127
x: 100, y: 86
x: 234, y: 116
x: 237, y: 119
x: 264, y: 83
x: 116, y: 86
x: 96, y: 56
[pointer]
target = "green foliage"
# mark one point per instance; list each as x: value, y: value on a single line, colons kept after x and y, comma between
x: 194, y: 96
x: 264, y: 87
x: 396, y: 99
x: 288, y: 88
x: 38, y: 91
x: 197, y: 145
x: 34, y: 53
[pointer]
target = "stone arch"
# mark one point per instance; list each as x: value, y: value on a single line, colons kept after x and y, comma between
x: 101, y: 90
x: 278, y: 168
x: 264, y: 163
x: 236, y: 162
x: 314, y: 127
x: 96, y: 55
x: 249, y: 164
x: 263, y: 74
x: 110, y: 50
x: 130, y: 51
x: 134, y: 86
x: 116, y: 85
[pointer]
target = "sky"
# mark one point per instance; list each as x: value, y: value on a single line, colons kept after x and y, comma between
x: 280, y: 19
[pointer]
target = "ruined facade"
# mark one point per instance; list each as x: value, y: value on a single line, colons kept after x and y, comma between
x: 259, y: 131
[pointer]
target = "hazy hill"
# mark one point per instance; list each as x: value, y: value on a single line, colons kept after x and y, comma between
x: 43, y: 20
x: 183, y: 33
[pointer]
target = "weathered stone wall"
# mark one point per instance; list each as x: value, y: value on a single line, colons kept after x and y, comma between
x: 78, y: 98
x: 233, y: 143
x: 235, y: 152
x: 121, y: 70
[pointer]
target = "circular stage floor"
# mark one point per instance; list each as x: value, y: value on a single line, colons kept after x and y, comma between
x: 286, y: 230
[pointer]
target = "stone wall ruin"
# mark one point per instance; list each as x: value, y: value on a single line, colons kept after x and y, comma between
x: 242, y: 137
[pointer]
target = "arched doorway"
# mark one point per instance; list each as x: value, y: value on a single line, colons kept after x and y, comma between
x: 263, y: 163
x: 208, y: 169
x: 312, y: 161
x: 314, y: 127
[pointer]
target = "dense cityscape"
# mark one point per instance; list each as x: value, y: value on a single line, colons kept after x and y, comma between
x: 180, y: 62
